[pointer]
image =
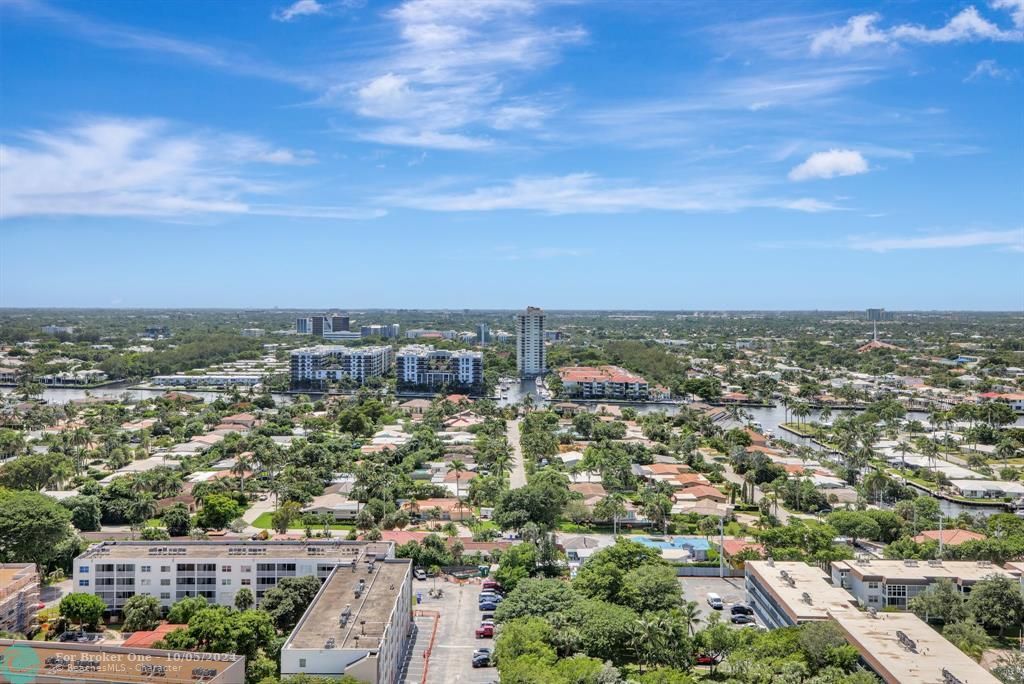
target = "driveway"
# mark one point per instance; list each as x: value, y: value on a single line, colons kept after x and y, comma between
x: 517, y: 478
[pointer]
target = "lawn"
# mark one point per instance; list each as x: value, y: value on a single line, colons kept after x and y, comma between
x: 263, y: 522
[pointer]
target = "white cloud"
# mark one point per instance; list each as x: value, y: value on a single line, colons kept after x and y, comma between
x: 1014, y: 7
x: 586, y: 193
x: 451, y: 73
x: 411, y: 137
x: 300, y: 8
x: 1011, y: 239
x: 989, y: 68
x: 829, y: 165
x: 862, y: 30
x: 133, y: 167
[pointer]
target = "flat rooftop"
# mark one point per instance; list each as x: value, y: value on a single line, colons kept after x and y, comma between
x: 337, y: 550
x: 920, y: 657
x: 369, y: 613
x: 804, y: 591
x: 923, y: 572
x: 116, y: 665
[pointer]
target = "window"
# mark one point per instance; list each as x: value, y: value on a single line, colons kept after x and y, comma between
x: 873, y: 586
x: 165, y: 583
x: 165, y: 595
x: 246, y: 568
x: 872, y: 599
x: 146, y: 568
x: 144, y: 582
x: 165, y: 568
x: 83, y: 583
x: 225, y: 583
x: 246, y: 582
x: 83, y: 569
x: 225, y: 568
x: 302, y: 662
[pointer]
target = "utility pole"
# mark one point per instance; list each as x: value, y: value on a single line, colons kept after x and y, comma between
x: 721, y: 547
x: 940, y: 536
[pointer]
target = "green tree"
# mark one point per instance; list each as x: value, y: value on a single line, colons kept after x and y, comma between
x: 83, y: 609
x: 85, y: 512
x: 283, y: 517
x: 287, y: 601
x: 32, y: 527
x: 177, y: 520
x: 182, y: 611
x: 996, y: 602
x: 942, y: 601
x: 537, y: 598
x: 603, y: 575
x: 650, y: 588
x: 155, y: 534
x: 140, y: 613
x: 969, y: 637
x: 855, y: 524
x: 218, y: 510
x: 244, y: 599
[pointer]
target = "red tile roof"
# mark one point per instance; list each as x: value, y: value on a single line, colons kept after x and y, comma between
x: 730, y: 547
x: 598, y: 374
x: 146, y: 639
x: 949, y: 537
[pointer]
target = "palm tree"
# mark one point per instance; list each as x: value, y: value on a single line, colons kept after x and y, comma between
x: 80, y: 438
x: 241, y: 466
x: 689, y: 612
x: 502, y: 465
x: 825, y: 413
x: 1006, y: 449
x: 903, y: 448
x: 458, y: 467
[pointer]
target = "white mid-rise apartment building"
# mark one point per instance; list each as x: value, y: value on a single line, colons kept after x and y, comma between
x: 531, y: 357
x: 324, y: 363
x: 170, y: 571
x: 421, y: 365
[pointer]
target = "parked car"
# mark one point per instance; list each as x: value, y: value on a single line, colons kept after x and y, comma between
x: 482, y: 651
x: 487, y: 605
x: 482, y: 660
x: 493, y: 598
x: 706, y: 660
x: 485, y: 631
x: 491, y: 584
x: 487, y: 617
x: 742, y: 619
x: 419, y: 573
x: 741, y: 609
x: 715, y: 601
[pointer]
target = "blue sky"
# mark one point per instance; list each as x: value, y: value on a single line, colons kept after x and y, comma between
x: 495, y: 153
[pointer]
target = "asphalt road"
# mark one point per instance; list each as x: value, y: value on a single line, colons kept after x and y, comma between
x: 451, y: 658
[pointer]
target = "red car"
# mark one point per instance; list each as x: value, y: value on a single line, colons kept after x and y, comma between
x: 485, y: 631
x: 706, y: 660
x: 491, y: 584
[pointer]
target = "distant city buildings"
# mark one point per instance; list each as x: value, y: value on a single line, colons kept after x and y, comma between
x: 322, y: 325
x: 253, y: 332
x: 57, y: 329
x: 155, y: 332
x: 419, y: 365
x: 531, y: 359
x: 483, y: 333
x: 319, y: 365
x: 387, y: 331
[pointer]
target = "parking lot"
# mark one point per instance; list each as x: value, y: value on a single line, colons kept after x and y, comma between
x: 451, y: 659
x: 731, y: 589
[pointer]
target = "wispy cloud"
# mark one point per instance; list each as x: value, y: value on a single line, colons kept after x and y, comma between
x: 1014, y: 7
x: 586, y: 193
x: 829, y: 165
x: 450, y: 77
x: 988, y: 68
x: 862, y: 31
x: 146, y: 168
x: 121, y: 37
x: 1011, y: 239
x: 300, y: 8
